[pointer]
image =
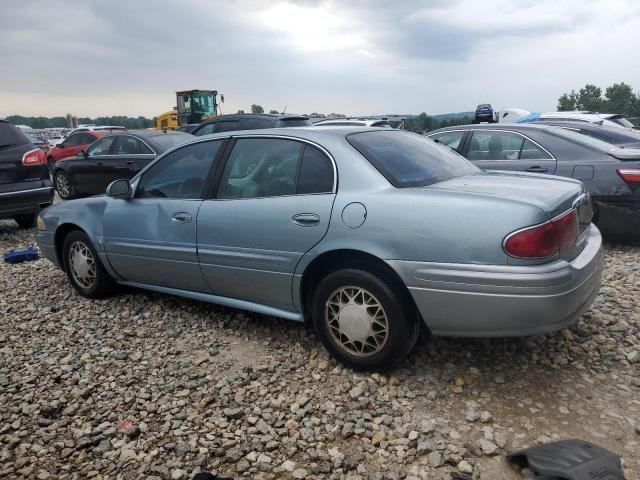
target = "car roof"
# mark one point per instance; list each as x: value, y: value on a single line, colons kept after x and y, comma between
x: 237, y: 116
x: 495, y: 126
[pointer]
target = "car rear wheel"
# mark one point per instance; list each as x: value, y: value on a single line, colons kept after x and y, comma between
x: 27, y: 220
x: 63, y: 185
x: 83, y: 267
x: 362, y: 320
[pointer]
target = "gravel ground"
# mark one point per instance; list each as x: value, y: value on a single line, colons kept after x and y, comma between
x: 150, y: 386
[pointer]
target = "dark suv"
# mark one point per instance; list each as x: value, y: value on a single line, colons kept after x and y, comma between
x: 25, y: 187
x: 249, y: 121
x: 484, y: 113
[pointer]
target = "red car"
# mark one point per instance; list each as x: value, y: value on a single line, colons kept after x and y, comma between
x: 71, y: 145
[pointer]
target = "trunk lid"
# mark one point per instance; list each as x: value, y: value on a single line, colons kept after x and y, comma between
x: 553, y: 195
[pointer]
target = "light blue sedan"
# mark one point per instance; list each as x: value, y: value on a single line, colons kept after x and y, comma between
x: 369, y: 234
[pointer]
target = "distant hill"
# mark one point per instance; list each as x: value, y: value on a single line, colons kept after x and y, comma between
x: 450, y: 116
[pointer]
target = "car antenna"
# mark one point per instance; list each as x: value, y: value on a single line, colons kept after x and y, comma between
x: 285, y: 109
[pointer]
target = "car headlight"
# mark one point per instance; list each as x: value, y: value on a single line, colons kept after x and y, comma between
x: 40, y: 224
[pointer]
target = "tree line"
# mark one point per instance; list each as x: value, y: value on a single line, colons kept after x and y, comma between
x: 61, y: 122
x: 618, y: 98
x: 424, y: 123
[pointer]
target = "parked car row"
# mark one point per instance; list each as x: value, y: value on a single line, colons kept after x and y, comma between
x: 611, y: 174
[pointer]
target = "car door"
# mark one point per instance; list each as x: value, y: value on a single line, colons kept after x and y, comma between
x: 492, y: 149
x: 150, y: 239
x: 92, y: 172
x: 134, y: 153
x: 272, y: 205
x: 69, y: 146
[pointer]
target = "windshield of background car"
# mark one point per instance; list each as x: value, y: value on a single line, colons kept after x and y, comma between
x: 10, y: 136
x: 410, y: 160
x: 170, y: 140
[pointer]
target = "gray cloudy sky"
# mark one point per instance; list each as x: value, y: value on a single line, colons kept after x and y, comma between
x: 359, y: 57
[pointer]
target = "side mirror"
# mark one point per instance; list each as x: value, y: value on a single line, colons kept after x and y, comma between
x: 119, y: 189
x: 81, y: 154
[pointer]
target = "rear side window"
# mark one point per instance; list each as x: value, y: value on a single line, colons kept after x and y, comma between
x: 255, y: 123
x: 228, y: 126
x: 11, y: 136
x: 131, y: 146
x: 101, y: 147
x: 410, y: 160
x: 73, y: 140
x: 293, y: 122
x: 316, y: 172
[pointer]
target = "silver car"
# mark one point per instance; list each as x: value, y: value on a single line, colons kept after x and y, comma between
x: 369, y: 234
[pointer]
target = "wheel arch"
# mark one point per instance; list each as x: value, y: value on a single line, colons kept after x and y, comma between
x: 333, y: 260
x: 58, y: 239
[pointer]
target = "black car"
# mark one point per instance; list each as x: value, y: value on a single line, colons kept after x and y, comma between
x: 110, y: 158
x: 249, y: 121
x: 621, y: 137
x: 484, y: 113
x: 25, y: 187
x: 611, y: 174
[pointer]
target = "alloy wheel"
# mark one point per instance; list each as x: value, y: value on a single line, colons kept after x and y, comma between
x: 63, y: 185
x: 356, y: 321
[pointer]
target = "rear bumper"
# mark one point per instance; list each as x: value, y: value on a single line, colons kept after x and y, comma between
x: 25, y: 197
x: 496, y: 301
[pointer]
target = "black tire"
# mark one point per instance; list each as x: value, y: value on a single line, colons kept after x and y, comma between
x: 59, y: 179
x: 26, y: 220
x: 402, y: 324
x: 102, y: 284
x: 51, y: 165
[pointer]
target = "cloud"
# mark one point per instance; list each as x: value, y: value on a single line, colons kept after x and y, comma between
x: 97, y: 58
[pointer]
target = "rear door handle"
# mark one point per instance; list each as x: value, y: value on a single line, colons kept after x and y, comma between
x: 181, y: 217
x: 129, y: 162
x: 536, y: 169
x: 305, y: 219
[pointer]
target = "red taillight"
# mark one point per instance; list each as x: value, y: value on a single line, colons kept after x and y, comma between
x: 34, y: 157
x: 630, y: 175
x: 544, y: 240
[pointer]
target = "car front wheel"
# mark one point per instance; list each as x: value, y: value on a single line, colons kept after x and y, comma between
x: 363, y: 320
x: 83, y: 267
x: 63, y: 185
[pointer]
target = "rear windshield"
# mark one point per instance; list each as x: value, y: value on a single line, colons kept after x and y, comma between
x: 11, y: 136
x: 293, y: 122
x: 583, y: 139
x: 170, y: 140
x: 410, y: 160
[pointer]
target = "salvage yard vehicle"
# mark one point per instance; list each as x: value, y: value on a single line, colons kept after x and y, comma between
x: 611, y: 174
x: 353, y: 122
x: 620, y: 137
x: 370, y: 234
x: 249, y: 121
x: 24, y: 180
x: 72, y: 145
x: 110, y: 158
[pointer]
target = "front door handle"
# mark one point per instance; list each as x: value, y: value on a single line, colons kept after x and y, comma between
x: 536, y: 169
x: 181, y: 217
x: 305, y: 219
x: 129, y: 162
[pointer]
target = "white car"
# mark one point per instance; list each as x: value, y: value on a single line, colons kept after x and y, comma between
x: 603, y: 119
x: 353, y: 122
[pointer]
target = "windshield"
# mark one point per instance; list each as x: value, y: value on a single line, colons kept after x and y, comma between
x: 410, y: 160
x: 203, y: 103
x: 170, y: 140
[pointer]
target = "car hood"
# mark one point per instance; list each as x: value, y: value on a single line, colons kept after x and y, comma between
x: 551, y: 194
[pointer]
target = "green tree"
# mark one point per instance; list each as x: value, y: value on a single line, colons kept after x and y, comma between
x: 621, y: 99
x: 273, y: 111
x: 568, y: 102
x: 590, y: 98
x: 257, y: 108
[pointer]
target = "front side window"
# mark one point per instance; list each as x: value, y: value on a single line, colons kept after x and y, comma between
x: 205, y: 130
x: 73, y: 140
x: 260, y: 167
x: 449, y: 139
x: 494, y: 145
x: 181, y: 173
x: 101, y: 147
x: 409, y: 160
